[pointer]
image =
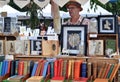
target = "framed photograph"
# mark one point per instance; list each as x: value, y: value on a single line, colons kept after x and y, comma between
x: 74, y: 39
x: 107, y: 24
x: 95, y: 47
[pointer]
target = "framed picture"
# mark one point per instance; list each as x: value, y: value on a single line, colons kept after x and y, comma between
x: 74, y: 39
x: 1, y: 47
x: 36, y: 47
x: 95, y: 47
x: 19, y: 47
x: 107, y: 24
x: 7, y: 25
x: 10, y: 47
x: 27, y: 47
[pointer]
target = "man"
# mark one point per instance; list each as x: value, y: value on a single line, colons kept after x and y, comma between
x: 74, y: 8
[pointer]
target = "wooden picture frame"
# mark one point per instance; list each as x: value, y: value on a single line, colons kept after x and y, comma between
x: 95, y: 47
x: 74, y: 39
x: 107, y: 24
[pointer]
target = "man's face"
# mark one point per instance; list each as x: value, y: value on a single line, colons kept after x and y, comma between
x: 73, y: 10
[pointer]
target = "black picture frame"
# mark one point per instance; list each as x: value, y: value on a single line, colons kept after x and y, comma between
x: 72, y: 37
x: 107, y: 24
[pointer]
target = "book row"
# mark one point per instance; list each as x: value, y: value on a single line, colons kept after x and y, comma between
x: 67, y: 69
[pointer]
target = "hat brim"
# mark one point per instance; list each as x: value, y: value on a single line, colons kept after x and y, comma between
x: 64, y: 8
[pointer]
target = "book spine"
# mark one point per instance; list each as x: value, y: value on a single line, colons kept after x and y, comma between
x: 34, y: 68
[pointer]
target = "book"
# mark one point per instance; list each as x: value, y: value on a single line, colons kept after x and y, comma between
x: 56, y: 68
x: 77, y: 69
x: 84, y: 69
x: 101, y: 70
x: 1, y: 68
x: 25, y: 69
x: 81, y: 79
x: 106, y: 73
x: 45, y: 69
x: 35, y: 79
x: 114, y: 72
x: 15, y: 78
x: 34, y: 68
x: 110, y: 71
x: 9, y: 67
x: 101, y: 80
x: 89, y: 69
x: 51, y: 69
x: 38, y: 68
x: 12, y: 68
x: 57, y: 79
x: 20, y: 67
x: 16, y: 67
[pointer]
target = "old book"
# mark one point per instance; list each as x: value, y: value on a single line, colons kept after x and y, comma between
x: 77, y: 70
x: 69, y: 68
x: 64, y: 70
x: 15, y: 78
x: 37, y: 73
x: 101, y: 80
x: 84, y: 69
x: 114, y: 72
x: 110, y: 71
x: 108, y: 68
x: 89, y: 69
x: 101, y: 70
x: 94, y: 69
x: 25, y: 69
x: 34, y: 68
x: 20, y: 67
x: 81, y: 79
x: 45, y: 69
x: 57, y: 79
x: 35, y: 79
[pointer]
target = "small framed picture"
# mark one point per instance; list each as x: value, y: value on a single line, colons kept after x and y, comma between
x: 74, y: 39
x: 95, y: 47
x: 10, y: 47
x: 27, y: 47
x: 107, y: 24
x: 19, y: 47
x: 7, y: 25
x: 1, y: 47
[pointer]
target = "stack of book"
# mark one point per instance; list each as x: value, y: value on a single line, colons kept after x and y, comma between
x: 35, y: 79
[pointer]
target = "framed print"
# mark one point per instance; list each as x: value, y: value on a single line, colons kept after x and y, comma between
x: 7, y: 25
x: 19, y: 47
x: 27, y: 47
x: 10, y: 47
x: 1, y: 47
x: 36, y: 47
x: 107, y: 24
x: 110, y: 46
x: 74, y: 39
x: 95, y: 47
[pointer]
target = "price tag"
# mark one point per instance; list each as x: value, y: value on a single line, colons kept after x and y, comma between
x: 93, y: 35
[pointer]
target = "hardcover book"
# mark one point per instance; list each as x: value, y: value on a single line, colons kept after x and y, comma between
x: 57, y: 79
x: 35, y: 79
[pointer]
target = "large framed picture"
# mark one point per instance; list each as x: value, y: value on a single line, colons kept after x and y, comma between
x: 107, y: 24
x: 74, y: 39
